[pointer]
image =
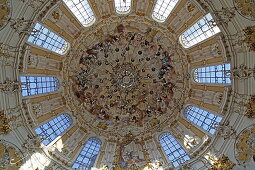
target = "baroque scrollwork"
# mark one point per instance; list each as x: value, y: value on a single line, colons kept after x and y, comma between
x: 245, y: 8
x: 223, y: 163
x: 10, y: 156
x: 250, y: 110
x: 5, y: 12
x: 245, y: 145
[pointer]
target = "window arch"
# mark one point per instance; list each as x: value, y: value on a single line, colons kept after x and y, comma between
x: 32, y: 85
x: 204, y: 119
x: 163, y: 8
x: 53, y: 128
x: 173, y: 150
x: 88, y: 154
x: 82, y: 11
x: 219, y: 74
x: 203, y: 29
x: 122, y: 6
x: 47, y: 39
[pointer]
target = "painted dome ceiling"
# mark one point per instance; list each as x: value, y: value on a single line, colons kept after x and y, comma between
x: 125, y: 80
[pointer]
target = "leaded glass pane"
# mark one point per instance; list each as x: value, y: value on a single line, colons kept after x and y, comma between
x: 163, y: 8
x: 88, y: 154
x: 203, y: 29
x: 47, y: 39
x: 204, y: 119
x: 219, y: 74
x: 122, y: 6
x: 32, y: 85
x: 173, y: 150
x: 82, y: 11
x: 53, y: 128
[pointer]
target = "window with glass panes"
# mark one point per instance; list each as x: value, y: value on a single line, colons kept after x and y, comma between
x: 204, y: 119
x: 203, y: 29
x: 163, y: 8
x: 88, y: 154
x: 122, y: 5
x: 33, y: 85
x: 219, y: 74
x: 53, y: 128
x: 47, y: 39
x: 81, y: 10
x: 173, y: 150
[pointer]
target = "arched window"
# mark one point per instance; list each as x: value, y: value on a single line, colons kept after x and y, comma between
x: 206, y: 120
x: 47, y: 39
x: 32, y: 85
x: 53, y: 128
x: 203, y: 29
x: 122, y: 6
x: 163, y: 8
x: 88, y: 154
x: 82, y: 11
x: 174, y: 151
x: 219, y: 74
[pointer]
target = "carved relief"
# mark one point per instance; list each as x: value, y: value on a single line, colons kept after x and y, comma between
x: 10, y: 86
x: 250, y: 111
x: 10, y: 156
x: 245, y: 145
x: 5, y: 12
x: 245, y: 8
x: 243, y: 72
x: 223, y: 163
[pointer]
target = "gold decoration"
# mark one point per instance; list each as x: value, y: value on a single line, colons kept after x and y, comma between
x: 5, y: 12
x: 249, y: 34
x: 4, y: 123
x: 246, y: 8
x: 10, y: 156
x: 56, y: 15
x: 244, y: 146
x: 250, y: 111
x: 222, y: 164
x: 191, y: 7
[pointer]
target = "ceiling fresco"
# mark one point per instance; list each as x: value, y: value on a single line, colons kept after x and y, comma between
x: 125, y: 78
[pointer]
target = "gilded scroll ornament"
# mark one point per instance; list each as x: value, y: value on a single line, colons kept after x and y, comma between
x: 246, y: 8
x: 222, y: 163
x: 250, y: 107
x: 5, y: 12
x: 245, y: 145
x: 249, y: 37
x: 10, y: 156
x: 4, y: 123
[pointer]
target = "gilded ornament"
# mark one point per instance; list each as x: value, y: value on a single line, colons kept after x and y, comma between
x: 246, y: 8
x: 56, y: 15
x: 245, y: 145
x: 191, y: 7
x: 222, y: 163
x: 250, y: 107
x: 5, y: 12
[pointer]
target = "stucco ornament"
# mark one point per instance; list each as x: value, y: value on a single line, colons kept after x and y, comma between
x: 5, y: 12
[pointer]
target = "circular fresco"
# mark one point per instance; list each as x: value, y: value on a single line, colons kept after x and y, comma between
x: 246, y: 8
x: 125, y: 77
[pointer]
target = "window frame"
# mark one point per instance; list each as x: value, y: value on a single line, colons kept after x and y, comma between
x: 83, y: 24
x: 59, y: 135
x: 86, y: 151
x: 123, y: 12
x: 207, y: 39
x: 207, y: 83
x: 40, y: 94
x: 46, y: 49
x: 197, y: 126
x: 162, y: 21
x: 179, y: 143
